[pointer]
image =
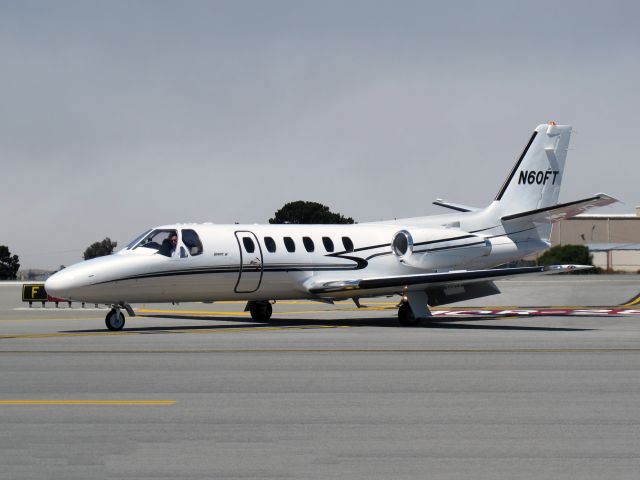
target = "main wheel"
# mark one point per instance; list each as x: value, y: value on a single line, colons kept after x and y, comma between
x: 406, y: 317
x: 114, y: 319
x: 260, y: 311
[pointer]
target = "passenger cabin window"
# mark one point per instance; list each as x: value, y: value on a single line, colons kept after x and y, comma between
x: 289, y: 244
x: 162, y: 241
x: 348, y: 244
x: 328, y: 244
x: 192, y: 241
x: 249, y: 246
x: 270, y: 244
x: 308, y: 244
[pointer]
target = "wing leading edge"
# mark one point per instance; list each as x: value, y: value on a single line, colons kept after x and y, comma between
x: 427, y: 280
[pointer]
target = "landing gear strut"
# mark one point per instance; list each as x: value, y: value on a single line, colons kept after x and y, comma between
x: 260, y: 311
x: 413, y: 302
x: 114, y: 319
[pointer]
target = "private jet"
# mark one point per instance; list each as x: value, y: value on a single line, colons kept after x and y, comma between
x: 427, y: 261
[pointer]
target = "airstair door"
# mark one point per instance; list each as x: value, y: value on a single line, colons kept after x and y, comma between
x: 250, y: 274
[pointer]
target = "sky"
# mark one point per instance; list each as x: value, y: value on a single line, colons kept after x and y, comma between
x: 122, y: 115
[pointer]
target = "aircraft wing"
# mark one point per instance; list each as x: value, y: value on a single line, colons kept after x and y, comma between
x: 429, y: 280
x: 558, y: 212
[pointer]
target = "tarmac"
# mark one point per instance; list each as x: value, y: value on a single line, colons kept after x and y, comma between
x: 542, y: 381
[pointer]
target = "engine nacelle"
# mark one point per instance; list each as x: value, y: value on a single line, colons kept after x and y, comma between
x: 436, y: 248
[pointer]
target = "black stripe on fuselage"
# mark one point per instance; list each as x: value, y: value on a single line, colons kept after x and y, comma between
x: 484, y: 229
x: 360, y: 263
x: 449, y: 247
x: 450, y: 239
x: 506, y: 234
x: 431, y: 242
x: 381, y: 254
x: 361, y: 249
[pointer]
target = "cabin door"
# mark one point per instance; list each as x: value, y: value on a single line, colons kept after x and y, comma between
x: 250, y: 262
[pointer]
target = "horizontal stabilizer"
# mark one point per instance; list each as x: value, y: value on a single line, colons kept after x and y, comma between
x: 455, y: 206
x: 558, y: 212
x: 427, y: 280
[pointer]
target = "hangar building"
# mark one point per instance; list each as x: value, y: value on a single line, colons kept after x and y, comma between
x: 613, y: 239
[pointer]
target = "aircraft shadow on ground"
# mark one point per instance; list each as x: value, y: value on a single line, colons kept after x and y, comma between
x: 459, y: 323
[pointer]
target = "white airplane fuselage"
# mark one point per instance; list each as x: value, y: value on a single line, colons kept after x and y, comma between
x: 226, y: 270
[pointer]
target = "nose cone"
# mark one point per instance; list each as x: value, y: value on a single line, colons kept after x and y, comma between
x: 60, y: 284
x: 81, y: 282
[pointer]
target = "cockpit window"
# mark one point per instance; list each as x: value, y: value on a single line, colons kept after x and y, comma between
x: 163, y: 241
x: 138, y: 238
x: 192, y: 242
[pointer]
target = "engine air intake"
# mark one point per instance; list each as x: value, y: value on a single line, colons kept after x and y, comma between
x: 402, y: 243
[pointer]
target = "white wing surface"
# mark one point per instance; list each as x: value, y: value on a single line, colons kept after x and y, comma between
x: 558, y: 212
x: 429, y: 280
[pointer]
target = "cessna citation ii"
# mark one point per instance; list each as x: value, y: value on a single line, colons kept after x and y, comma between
x: 428, y: 261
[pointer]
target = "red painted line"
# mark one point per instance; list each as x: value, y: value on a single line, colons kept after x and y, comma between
x: 535, y: 312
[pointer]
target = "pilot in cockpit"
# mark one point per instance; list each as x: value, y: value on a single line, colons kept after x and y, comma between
x: 169, y: 244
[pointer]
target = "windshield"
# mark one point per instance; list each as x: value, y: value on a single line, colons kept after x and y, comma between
x: 163, y: 241
x: 137, y: 239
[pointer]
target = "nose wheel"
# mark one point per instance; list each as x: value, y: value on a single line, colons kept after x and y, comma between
x: 114, y: 320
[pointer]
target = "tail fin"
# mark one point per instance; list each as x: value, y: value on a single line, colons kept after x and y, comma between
x: 527, y: 204
x: 534, y: 181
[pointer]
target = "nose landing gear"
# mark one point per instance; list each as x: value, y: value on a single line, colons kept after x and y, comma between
x: 114, y: 319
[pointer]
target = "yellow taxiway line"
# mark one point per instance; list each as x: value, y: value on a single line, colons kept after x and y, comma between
x: 90, y: 402
x: 633, y: 302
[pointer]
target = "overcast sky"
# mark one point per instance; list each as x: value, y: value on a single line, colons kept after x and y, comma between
x: 118, y: 116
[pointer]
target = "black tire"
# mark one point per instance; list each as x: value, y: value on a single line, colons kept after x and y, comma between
x: 260, y: 311
x: 406, y: 316
x: 114, y: 320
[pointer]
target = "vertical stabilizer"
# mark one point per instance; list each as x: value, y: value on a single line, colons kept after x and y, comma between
x: 534, y: 181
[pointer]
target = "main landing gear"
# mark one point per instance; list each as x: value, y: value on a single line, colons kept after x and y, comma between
x: 115, y: 318
x: 406, y: 316
x: 260, y: 310
x: 413, y: 309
